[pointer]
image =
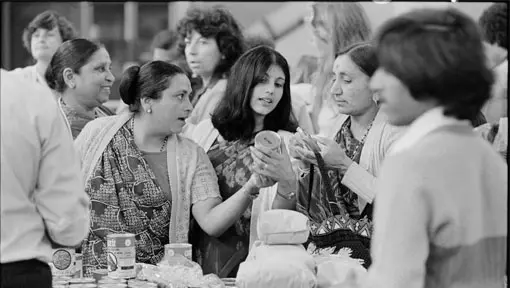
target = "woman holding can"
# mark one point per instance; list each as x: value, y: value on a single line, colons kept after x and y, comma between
x: 257, y: 98
x: 145, y: 179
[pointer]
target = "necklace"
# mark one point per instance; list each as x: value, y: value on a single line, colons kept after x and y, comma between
x: 360, y: 143
x: 165, y: 140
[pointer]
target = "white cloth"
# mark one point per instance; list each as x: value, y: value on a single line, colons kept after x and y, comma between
x: 41, y: 187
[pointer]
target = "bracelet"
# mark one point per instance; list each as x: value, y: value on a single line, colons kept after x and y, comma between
x: 290, y: 196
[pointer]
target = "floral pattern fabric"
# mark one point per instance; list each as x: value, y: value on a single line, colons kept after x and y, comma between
x: 222, y: 256
x: 125, y: 198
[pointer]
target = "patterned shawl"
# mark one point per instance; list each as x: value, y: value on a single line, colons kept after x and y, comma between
x: 125, y: 196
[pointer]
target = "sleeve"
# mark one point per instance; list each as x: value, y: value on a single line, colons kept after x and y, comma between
x: 400, y: 244
x: 60, y: 196
x: 360, y: 181
x: 205, y: 182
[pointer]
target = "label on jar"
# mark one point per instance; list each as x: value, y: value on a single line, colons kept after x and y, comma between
x: 121, y: 255
x: 63, y: 262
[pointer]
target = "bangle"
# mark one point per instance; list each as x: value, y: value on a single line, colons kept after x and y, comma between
x: 290, y: 196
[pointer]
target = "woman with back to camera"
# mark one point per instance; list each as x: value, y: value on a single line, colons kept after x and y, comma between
x: 80, y: 74
x: 340, y: 208
x: 441, y: 214
x: 257, y: 98
x: 212, y: 41
x: 41, y: 38
x: 143, y: 178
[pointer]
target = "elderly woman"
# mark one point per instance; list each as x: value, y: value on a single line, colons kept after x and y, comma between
x: 212, y: 41
x: 41, y: 38
x: 441, y: 212
x: 257, y: 98
x: 80, y: 74
x: 338, y: 196
x: 143, y: 178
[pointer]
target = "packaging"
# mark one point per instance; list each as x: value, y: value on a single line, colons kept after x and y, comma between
x: 63, y: 262
x: 121, y: 255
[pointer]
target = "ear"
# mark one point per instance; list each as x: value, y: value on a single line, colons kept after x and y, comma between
x: 146, y: 103
x: 69, y: 78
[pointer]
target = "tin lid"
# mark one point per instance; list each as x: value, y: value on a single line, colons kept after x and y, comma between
x: 115, y: 235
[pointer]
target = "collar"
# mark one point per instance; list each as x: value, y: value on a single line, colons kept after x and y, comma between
x: 423, y: 125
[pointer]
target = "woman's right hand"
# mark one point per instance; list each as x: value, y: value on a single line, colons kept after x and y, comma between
x: 260, y: 181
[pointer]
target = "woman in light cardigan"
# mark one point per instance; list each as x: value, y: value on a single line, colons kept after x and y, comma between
x: 340, y: 207
x: 143, y: 178
x: 257, y: 98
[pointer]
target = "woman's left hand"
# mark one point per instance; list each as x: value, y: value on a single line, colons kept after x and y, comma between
x: 272, y: 164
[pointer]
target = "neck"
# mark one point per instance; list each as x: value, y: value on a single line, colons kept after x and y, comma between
x: 363, y: 121
x: 259, y: 123
x: 145, y: 137
x: 206, y: 79
x: 71, y: 100
x: 40, y: 67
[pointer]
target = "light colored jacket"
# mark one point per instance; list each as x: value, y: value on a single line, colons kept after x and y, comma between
x: 205, y: 134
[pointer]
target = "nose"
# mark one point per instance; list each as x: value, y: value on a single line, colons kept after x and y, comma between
x: 190, y: 49
x: 187, y: 105
x: 336, y: 89
x: 109, y: 76
x: 270, y: 88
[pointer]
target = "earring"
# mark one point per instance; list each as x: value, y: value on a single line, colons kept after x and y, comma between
x: 375, y: 98
x: 149, y: 110
x: 71, y: 85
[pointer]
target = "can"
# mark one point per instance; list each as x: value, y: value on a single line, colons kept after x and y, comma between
x: 183, y: 249
x: 78, y: 265
x: 63, y: 262
x: 268, y: 139
x: 121, y: 255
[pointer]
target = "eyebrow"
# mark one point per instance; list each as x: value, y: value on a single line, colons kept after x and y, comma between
x: 181, y: 91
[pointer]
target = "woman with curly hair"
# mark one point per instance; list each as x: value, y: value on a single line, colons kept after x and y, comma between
x: 41, y: 38
x: 212, y: 41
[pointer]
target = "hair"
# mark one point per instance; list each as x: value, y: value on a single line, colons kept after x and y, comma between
x: 256, y: 40
x: 234, y: 117
x: 217, y: 23
x: 72, y: 54
x: 48, y: 20
x: 494, y: 24
x: 305, y: 70
x: 364, y: 55
x: 147, y: 81
x: 347, y: 24
x: 165, y: 39
x: 438, y: 54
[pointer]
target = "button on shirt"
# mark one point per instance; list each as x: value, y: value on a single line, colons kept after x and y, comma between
x: 41, y: 188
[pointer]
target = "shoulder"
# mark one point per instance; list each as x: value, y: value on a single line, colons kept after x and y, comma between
x: 99, y: 124
x: 220, y: 86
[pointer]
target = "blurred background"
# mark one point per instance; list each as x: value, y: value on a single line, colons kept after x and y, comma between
x: 127, y: 28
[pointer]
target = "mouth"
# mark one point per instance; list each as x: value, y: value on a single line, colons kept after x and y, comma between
x: 107, y: 89
x: 183, y: 119
x: 266, y: 100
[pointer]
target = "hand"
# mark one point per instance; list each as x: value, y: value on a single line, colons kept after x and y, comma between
x: 258, y: 181
x: 276, y: 166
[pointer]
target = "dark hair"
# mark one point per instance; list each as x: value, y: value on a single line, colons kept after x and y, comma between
x: 494, y: 24
x: 48, y: 20
x: 233, y: 117
x: 438, y: 54
x: 364, y: 55
x: 305, y: 70
x: 255, y: 40
x: 147, y: 81
x: 217, y: 23
x: 72, y: 54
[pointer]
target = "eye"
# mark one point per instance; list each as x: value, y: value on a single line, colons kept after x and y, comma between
x: 347, y: 80
x: 180, y: 96
x: 278, y: 85
x: 203, y: 41
x: 101, y: 68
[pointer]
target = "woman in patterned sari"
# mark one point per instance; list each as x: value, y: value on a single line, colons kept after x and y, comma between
x: 143, y: 178
x: 80, y: 74
x: 337, y: 195
x: 257, y: 98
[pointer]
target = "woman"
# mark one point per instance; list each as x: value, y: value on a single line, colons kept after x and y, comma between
x: 340, y: 206
x: 212, y: 41
x: 441, y: 213
x: 42, y: 38
x: 257, y: 98
x: 80, y: 73
x: 143, y: 178
x: 335, y: 26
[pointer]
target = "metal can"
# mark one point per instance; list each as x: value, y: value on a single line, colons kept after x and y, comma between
x: 63, y: 262
x: 121, y: 255
x: 78, y: 266
x: 268, y: 139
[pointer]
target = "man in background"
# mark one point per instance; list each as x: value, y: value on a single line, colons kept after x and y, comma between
x: 43, y: 200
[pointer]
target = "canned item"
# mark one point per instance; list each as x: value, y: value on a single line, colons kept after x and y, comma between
x: 183, y: 249
x: 78, y: 265
x: 86, y: 280
x: 268, y: 139
x: 59, y: 282
x: 113, y: 286
x: 121, y: 255
x: 63, y: 262
x: 60, y: 286
x: 111, y: 281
